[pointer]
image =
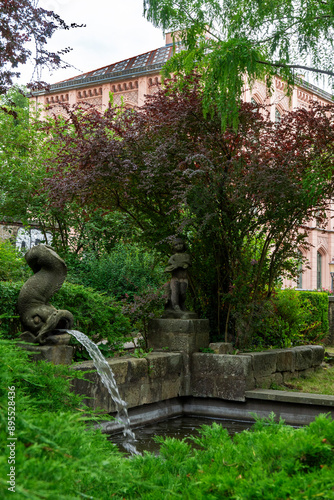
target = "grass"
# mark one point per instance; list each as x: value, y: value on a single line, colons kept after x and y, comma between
x: 320, y: 382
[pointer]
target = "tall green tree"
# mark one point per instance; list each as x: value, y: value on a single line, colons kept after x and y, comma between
x: 227, y: 40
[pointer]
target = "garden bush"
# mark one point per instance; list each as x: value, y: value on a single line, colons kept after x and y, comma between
x: 9, y: 319
x: 12, y: 264
x: 288, y: 318
x: 95, y: 314
x: 126, y: 271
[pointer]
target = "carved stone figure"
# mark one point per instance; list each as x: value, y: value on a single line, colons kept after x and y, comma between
x: 176, y: 289
x: 38, y: 317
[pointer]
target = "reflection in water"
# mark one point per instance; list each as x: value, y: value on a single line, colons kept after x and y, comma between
x: 180, y: 427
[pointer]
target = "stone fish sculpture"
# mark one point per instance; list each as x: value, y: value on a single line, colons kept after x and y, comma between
x: 39, y: 318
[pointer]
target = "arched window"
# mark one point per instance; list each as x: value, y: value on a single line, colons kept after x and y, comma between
x: 319, y: 266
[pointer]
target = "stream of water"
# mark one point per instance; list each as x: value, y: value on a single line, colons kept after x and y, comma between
x: 108, y: 380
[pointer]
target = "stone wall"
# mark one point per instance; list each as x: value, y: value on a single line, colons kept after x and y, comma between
x: 280, y: 365
x: 229, y: 377
x: 157, y: 377
x: 160, y: 376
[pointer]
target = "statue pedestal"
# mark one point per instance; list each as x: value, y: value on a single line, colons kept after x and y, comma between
x: 179, y: 335
x: 185, y: 335
x: 56, y: 354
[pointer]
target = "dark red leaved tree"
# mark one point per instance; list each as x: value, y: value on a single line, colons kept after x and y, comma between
x: 23, y: 23
x: 241, y: 198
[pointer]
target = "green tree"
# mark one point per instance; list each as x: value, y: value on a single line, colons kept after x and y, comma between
x: 24, y: 157
x: 228, y: 39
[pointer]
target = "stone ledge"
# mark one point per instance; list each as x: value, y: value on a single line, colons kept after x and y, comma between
x: 153, y: 378
x: 290, y: 397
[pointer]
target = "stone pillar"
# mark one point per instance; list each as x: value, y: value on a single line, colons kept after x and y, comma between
x: 142, y: 90
x: 72, y: 97
x: 106, y: 88
x: 179, y: 335
x: 330, y: 338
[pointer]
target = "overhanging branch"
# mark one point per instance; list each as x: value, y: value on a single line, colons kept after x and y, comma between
x: 297, y: 66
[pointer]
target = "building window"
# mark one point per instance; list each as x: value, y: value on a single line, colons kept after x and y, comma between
x: 278, y: 116
x: 319, y: 259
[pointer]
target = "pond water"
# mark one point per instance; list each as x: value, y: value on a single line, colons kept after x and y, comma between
x: 179, y: 427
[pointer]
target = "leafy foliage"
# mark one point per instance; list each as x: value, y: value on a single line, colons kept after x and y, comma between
x: 127, y: 270
x: 12, y: 265
x: 241, y: 198
x: 148, y: 305
x: 22, y: 21
x: 288, y: 318
x: 225, y: 40
x: 96, y: 315
x: 58, y: 456
x: 9, y: 319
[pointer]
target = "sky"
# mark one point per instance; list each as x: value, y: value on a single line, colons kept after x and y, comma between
x: 115, y: 30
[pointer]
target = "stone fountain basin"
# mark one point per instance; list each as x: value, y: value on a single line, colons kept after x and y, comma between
x: 165, y: 384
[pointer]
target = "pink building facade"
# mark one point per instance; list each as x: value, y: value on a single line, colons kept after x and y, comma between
x: 132, y: 79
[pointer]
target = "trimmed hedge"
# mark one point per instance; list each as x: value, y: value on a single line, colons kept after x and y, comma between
x: 304, y: 315
x: 319, y: 301
x: 288, y: 318
x: 95, y: 314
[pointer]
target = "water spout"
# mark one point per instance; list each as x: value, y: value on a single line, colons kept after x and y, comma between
x: 108, y: 380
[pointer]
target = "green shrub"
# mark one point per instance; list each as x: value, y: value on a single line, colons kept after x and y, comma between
x: 289, y: 318
x: 59, y: 456
x: 12, y: 264
x: 9, y: 319
x: 305, y: 313
x: 126, y: 271
x: 319, y: 310
x: 96, y: 315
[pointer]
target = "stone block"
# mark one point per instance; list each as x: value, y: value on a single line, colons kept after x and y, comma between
x: 170, y: 388
x: 178, y: 335
x: 318, y: 353
x: 157, y: 365
x: 224, y: 364
x: 137, y: 369
x: 57, y: 354
x: 220, y: 376
x: 119, y: 367
x: 285, y: 360
x: 263, y: 363
x: 221, y: 347
x: 174, y: 363
x: 304, y: 357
